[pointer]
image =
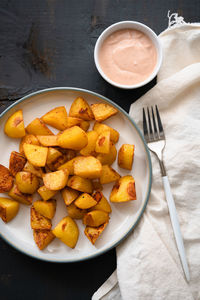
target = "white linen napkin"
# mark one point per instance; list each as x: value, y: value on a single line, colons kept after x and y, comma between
x: 148, y: 264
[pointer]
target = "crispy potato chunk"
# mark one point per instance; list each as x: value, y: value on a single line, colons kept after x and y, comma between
x: 93, y: 233
x: 103, y: 143
x: 56, y: 118
x: 47, y: 140
x: 69, y: 165
x: 15, y: 194
x: 81, y: 109
x: 52, y: 155
x: 56, y: 180
x: 103, y: 111
x: 43, y: 238
x: 126, y: 156
x: 90, y: 148
x: 85, y: 201
x: 38, y: 127
x: 95, y: 218
x: 69, y: 195
x: 26, y: 182
x: 17, y: 162
x: 108, y: 175
x: 123, y: 190
x: 34, y: 170
x: 97, y: 186
x: 71, y: 121
x: 45, y: 193
x: 109, y: 158
x: 8, y: 209
x: 114, y: 134
x: 45, y: 208
x: 87, y: 167
x: 57, y: 158
x: 74, y: 212
x: 6, y: 179
x: 36, y: 155
x: 14, y: 126
x: 73, y: 138
x: 67, y: 231
x: 28, y: 139
x: 38, y: 221
x: 102, y: 202
x: 80, y: 184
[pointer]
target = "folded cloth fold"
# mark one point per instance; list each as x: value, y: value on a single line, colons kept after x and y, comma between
x: 148, y: 264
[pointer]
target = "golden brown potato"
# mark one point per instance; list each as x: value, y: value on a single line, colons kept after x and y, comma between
x: 109, y: 158
x: 81, y: 109
x: 69, y: 195
x: 56, y: 118
x: 71, y: 121
x: 103, y: 143
x: 85, y: 125
x: 108, y: 175
x: 45, y: 193
x: 103, y: 111
x: 15, y: 194
x: 45, y: 208
x: 28, y: 139
x: 17, y: 162
x: 100, y: 128
x: 34, y: 170
x: 55, y: 160
x: 8, y: 209
x: 74, y: 212
x: 125, y: 156
x: 93, y: 233
x: 38, y: 127
x: 123, y: 190
x: 36, y: 155
x: 87, y: 167
x: 80, y: 184
x: 43, y: 238
x: 69, y: 165
x: 85, y: 201
x: 26, y: 182
x: 14, y: 126
x: 38, y: 221
x: 97, y: 186
x: 47, y: 140
x: 73, y: 138
x: 95, y: 218
x: 6, y: 179
x: 90, y: 148
x: 102, y: 202
x: 67, y: 231
x: 56, y: 180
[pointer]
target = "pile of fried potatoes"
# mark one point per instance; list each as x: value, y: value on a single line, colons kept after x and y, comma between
x: 75, y: 162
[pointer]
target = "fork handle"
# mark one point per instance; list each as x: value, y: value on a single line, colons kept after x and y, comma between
x: 176, y: 226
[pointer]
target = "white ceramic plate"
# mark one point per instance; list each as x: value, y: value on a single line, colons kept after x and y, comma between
x: 124, y: 216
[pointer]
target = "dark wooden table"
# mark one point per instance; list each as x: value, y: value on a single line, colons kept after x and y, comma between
x: 50, y: 43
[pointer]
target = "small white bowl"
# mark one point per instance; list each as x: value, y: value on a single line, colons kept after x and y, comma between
x: 128, y: 25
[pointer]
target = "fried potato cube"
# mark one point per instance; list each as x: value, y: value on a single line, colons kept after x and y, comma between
x: 17, y: 162
x: 52, y: 155
x: 97, y: 186
x: 73, y: 138
x: 6, y: 179
x: 90, y: 148
x: 103, y: 143
x: 109, y: 158
x: 27, y: 182
x: 123, y: 190
x: 100, y: 128
x: 56, y: 180
x: 81, y: 109
x: 103, y: 111
x: 45, y: 193
x: 38, y: 221
x: 47, y: 140
x: 67, y: 231
x: 69, y: 195
x: 8, y: 209
x: 38, y: 127
x: 69, y: 165
x: 81, y: 184
x: 15, y: 194
x: 102, y: 202
x: 28, y: 139
x: 126, y: 156
x: 34, y: 170
x: 45, y: 208
x: 87, y: 167
x: 108, y: 175
x: 14, y: 126
x: 85, y: 201
x: 74, y: 212
x: 95, y: 218
x: 56, y: 118
x: 43, y: 238
x: 85, y: 125
x: 36, y: 155
x: 57, y: 158
x: 71, y: 121
x: 93, y: 233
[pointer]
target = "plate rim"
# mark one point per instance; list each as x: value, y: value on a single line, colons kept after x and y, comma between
x: 149, y: 165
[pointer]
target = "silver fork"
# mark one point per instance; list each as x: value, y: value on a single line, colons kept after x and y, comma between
x: 155, y: 138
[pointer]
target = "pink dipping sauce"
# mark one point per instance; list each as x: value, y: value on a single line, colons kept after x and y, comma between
x: 127, y: 56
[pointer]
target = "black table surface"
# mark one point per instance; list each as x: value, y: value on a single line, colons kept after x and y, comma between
x: 49, y: 43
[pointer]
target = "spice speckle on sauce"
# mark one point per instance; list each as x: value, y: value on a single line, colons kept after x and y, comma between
x: 127, y: 56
